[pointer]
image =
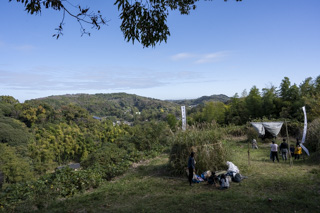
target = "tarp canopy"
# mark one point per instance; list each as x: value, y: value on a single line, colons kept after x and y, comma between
x: 272, y: 127
x: 258, y: 127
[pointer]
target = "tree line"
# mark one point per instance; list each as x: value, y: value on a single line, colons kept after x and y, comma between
x: 271, y: 103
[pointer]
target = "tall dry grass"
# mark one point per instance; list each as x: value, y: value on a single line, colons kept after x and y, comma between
x: 313, y: 136
x: 205, y: 142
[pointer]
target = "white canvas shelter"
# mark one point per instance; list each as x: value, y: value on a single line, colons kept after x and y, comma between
x: 272, y: 127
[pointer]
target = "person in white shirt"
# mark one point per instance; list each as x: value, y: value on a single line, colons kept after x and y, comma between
x: 274, y: 151
x: 254, y: 144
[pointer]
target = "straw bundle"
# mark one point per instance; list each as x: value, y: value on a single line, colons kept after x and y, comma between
x: 209, y: 152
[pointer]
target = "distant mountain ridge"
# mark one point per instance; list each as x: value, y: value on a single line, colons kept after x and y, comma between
x: 202, y: 100
x: 124, y: 106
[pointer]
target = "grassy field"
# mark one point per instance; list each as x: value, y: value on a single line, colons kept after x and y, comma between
x: 149, y: 188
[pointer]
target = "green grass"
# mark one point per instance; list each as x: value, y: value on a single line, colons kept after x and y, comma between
x: 150, y: 188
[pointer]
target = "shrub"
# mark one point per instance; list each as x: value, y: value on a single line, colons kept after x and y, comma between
x: 236, y: 131
x: 109, y: 159
x: 294, y: 129
x: 252, y: 134
x: 26, y: 196
x: 149, y: 136
x: 67, y: 182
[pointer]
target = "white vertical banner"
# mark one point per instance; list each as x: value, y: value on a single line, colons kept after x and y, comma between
x: 183, y: 118
x: 304, y: 131
x: 305, y: 125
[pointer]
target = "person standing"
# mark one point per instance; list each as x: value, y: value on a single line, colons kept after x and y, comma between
x: 274, y: 151
x: 254, y: 144
x: 292, y: 150
x: 284, y: 149
x: 191, y: 167
x: 297, y: 152
x: 298, y: 142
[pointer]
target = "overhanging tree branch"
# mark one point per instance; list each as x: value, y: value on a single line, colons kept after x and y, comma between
x: 94, y: 19
x: 142, y: 20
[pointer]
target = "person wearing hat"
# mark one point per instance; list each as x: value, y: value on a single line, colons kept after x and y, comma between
x: 191, y: 167
x: 274, y: 151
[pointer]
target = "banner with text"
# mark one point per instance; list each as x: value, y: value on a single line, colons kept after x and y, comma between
x: 183, y: 118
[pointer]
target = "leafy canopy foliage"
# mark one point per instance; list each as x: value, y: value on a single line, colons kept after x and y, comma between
x: 14, y: 167
x: 115, y: 106
x: 211, y: 111
x: 272, y: 103
x: 142, y: 20
x: 172, y: 121
x: 13, y: 132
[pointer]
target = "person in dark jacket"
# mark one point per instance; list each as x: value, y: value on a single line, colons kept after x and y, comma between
x: 284, y: 149
x: 292, y: 150
x: 191, y: 167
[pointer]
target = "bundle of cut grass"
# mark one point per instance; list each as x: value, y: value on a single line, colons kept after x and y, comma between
x: 209, y: 152
x: 313, y: 138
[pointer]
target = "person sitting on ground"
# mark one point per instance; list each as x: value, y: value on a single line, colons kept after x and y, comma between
x: 212, y: 179
x: 297, y: 152
x: 224, y: 182
x: 254, y: 144
x: 284, y: 149
x: 274, y: 151
x: 191, y: 167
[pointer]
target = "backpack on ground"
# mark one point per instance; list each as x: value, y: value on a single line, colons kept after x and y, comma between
x: 236, y: 178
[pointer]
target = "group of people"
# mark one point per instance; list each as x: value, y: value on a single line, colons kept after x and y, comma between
x: 284, y: 149
x: 221, y: 177
x: 296, y: 152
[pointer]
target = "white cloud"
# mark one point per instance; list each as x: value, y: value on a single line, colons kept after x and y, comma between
x: 25, y: 47
x: 211, y: 57
x: 182, y: 56
x: 200, y: 58
x: 91, y: 78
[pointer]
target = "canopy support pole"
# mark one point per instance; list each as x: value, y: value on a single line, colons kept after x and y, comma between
x: 289, y: 152
x: 248, y: 152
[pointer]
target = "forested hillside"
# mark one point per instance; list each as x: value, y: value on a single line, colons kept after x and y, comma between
x: 129, y: 107
x: 115, y: 106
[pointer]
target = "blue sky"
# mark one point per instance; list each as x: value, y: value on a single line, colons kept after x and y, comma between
x: 220, y: 48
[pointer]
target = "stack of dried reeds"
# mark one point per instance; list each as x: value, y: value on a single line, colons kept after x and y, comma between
x: 209, y: 152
